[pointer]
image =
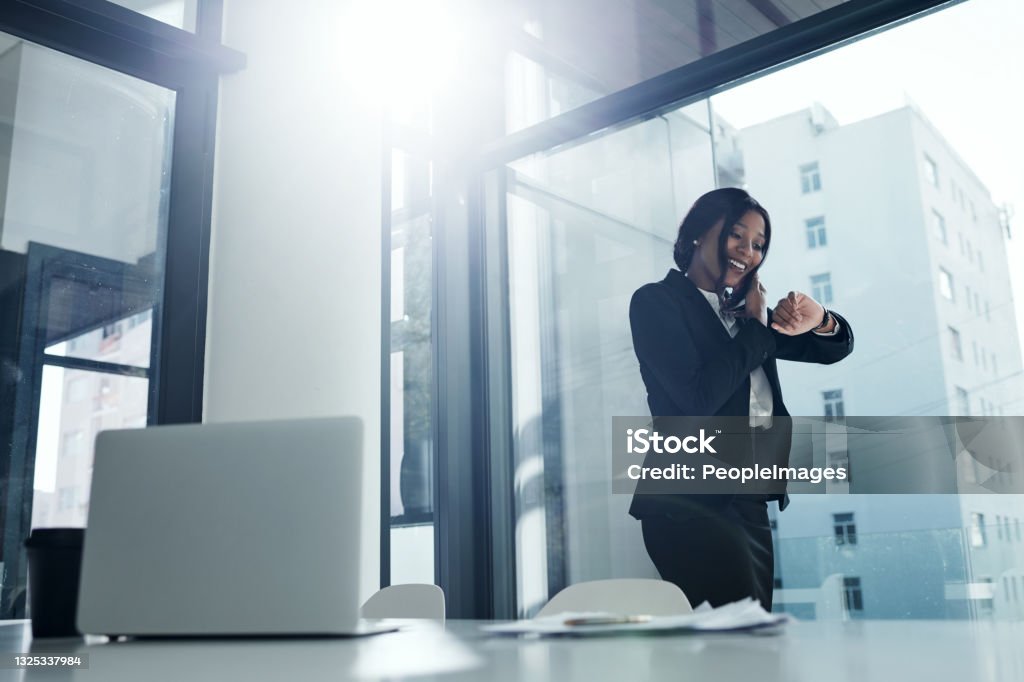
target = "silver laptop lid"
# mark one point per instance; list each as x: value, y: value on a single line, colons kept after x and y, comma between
x: 211, y: 529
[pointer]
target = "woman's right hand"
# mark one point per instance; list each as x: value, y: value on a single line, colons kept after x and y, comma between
x: 757, y: 301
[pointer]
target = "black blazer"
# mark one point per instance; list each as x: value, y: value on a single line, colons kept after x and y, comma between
x: 692, y: 367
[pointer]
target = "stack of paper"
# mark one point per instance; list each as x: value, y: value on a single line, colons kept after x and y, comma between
x: 741, y: 616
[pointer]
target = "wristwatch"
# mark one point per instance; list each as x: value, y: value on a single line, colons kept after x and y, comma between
x: 825, y: 319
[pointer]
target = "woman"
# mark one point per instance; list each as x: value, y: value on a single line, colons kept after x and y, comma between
x: 707, y: 345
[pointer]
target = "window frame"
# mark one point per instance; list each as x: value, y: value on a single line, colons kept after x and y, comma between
x: 474, y: 539
x: 115, y: 37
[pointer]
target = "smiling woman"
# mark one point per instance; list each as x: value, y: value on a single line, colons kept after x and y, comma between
x: 718, y: 548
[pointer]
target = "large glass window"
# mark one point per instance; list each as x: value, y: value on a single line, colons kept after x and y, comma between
x: 84, y: 189
x: 565, y: 54
x: 583, y: 225
x: 411, y: 442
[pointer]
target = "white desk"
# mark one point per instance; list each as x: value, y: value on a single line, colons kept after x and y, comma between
x: 855, y: 651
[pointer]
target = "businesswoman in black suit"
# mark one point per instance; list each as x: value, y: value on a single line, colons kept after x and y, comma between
x: 707, y: 345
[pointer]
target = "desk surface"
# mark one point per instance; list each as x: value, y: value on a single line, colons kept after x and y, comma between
x: 855, y: 651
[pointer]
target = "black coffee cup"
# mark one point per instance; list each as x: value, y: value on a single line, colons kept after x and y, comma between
x: 54, y: 567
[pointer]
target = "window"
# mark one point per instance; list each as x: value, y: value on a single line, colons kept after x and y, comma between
x: 65, y: 499
x: 931, y: 171
x: 999, y: 527
x: 977, y: 530
x: 1016, y: 525
x: 977, y: 302
x: 963, y: 402
x: 970, y: 252
x: 833, y: 401
x: 974, y: 350
x: 981, y: 263
x: 939, y: 226
x: 88, y: 223
x: 955, y: 344
x: 988, y: 315
x: 844, y: 529
x: 74, y: 444
x: 810, y: 178
x: 853, y: 596
x: 815, y: 232
x: 946, y: 284
x: 821, y: 288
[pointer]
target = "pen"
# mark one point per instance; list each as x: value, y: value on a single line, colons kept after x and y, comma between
x: 606, y: 620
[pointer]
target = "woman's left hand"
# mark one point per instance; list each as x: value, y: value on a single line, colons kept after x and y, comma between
x: 796, y: 314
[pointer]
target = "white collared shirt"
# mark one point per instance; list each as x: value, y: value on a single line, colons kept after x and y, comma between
x: 761, y: 402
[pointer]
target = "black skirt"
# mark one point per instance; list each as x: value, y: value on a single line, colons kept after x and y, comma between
x: 719, y: 557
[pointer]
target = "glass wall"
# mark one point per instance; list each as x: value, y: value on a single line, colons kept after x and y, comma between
x: 84, y: 185
x: 586, y: 226
x: 853, y: 153
x: 562, y: 55
x: 411, y: 445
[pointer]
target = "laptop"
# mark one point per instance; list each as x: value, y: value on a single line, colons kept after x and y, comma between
x: 225, y: 530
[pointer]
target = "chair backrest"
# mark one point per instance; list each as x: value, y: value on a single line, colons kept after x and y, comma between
x: 414, y: 600
x: 627, y: 596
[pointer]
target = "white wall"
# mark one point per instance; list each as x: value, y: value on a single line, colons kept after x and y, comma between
x: 294, y: 308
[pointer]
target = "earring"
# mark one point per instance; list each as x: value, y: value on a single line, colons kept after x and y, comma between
x: 696, y: 243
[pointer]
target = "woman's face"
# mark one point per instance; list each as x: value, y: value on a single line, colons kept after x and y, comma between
x: 744, y: 251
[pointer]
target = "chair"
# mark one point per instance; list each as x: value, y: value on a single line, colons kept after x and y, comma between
x: 623, y: 596
x: 406, y: 601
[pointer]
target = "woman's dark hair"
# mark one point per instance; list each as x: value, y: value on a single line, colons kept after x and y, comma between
x: 727, y: 204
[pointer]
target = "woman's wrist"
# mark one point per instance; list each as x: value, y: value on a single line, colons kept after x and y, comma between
x: 827, y: 323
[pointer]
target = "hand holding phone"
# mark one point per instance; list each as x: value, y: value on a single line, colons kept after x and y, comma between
x: 756, y: 304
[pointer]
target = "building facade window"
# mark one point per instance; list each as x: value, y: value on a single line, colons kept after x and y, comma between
x: 963, y: 402
x: 853, y: 595
x: 977, y: 530
x: 844, y: 529
x: 931, y: 171
x: 833, y: 402
x: 939, y: 227
x: 955, y: 344
x: 816, y: 236
x: 810, y: 178
x: 946, y: 284
x: 821, y: 288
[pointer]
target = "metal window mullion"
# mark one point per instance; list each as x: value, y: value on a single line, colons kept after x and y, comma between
x: 726, y: 68
x: 87, y: 365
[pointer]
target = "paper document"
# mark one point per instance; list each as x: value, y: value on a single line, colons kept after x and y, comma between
x: 744, y: 615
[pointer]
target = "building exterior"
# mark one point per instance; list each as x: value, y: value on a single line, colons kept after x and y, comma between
x: 85, y: 403
x: 882, y: 220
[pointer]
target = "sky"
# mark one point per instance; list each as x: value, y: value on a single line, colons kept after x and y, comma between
x: 963, y: 68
